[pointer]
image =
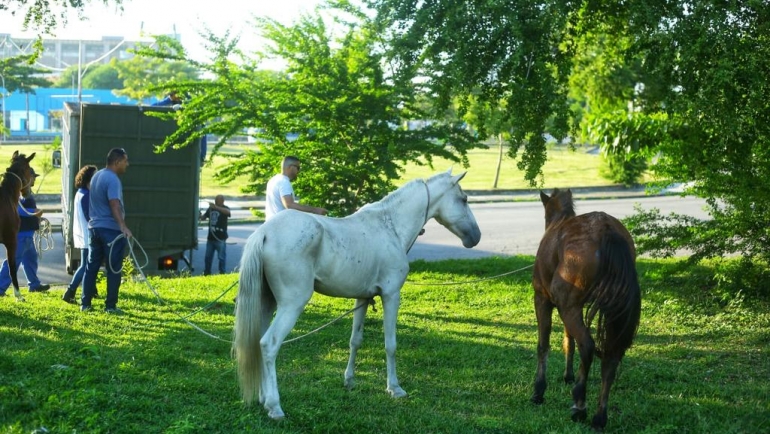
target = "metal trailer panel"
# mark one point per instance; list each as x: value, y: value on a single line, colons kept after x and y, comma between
x: 160, y: 191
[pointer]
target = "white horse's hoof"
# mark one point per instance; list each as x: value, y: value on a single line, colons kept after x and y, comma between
x: 20, y: 299
x: 397, y: 392
x: 276, y: 414
x: 350, y: 383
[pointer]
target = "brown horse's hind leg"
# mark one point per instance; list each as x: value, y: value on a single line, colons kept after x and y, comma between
x: 568, y: 345
x: 10, y: 254
x: 573, y: 323
x: 543, y: 311
x: 609, y: 369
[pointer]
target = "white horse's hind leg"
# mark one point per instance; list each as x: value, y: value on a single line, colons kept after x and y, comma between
x: 390, y: 304
x: 268, y: 309
x: 284, y: 321
x: 356, y: 338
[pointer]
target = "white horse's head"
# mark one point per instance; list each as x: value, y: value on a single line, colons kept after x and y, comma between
x: 450, y: 207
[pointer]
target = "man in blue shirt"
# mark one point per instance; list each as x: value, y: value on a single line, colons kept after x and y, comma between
x: 108, y: 233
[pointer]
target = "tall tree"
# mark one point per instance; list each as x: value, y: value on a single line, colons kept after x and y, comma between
x: 144, y: 78
x: 701, y: 92
x: 19, y: 74
x: 100, y: 76
x: 333, y: 106
x: 511, y: 51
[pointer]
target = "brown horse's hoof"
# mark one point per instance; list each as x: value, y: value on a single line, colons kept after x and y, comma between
x: 599, y: 422
x: 578, y: 414
x: 537, y: 399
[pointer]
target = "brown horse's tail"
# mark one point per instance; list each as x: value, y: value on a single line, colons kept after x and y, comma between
x: 248, y: 319
x: 616, y: 297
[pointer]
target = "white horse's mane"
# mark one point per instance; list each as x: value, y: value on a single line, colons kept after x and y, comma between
x: 385, y: 202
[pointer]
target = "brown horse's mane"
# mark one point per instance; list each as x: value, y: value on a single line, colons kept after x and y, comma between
x: 10, y: 183
x: 559, y: 206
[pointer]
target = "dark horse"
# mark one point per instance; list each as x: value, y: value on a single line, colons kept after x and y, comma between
x: 17, y: 176
x: 586, y: 261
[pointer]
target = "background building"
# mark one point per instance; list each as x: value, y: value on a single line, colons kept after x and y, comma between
x: 58, y: 54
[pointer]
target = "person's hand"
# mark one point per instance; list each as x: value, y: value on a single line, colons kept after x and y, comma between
x: 321, y: 211
x: 126, y: 232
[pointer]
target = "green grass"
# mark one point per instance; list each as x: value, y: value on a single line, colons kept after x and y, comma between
x: 564, y: 169
x: 466, y: 356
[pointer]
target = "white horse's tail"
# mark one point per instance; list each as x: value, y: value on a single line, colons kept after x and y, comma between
x: 248, y: 319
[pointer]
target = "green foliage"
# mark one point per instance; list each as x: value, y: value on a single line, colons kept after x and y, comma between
x: 19, y: 74
x: 709, y: 61
x: 101, y: 76
x: 509, y: 51
x: 334, y: 96
x: 685, y: 81
x: 466, y: 355
x: 144, y: 77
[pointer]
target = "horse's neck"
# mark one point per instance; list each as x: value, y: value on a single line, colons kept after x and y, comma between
x: 407, y: 209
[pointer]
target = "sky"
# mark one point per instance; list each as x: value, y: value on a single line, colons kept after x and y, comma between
x: 186, y: 17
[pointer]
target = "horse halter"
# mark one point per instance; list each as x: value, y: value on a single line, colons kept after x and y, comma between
x: 21, y: 181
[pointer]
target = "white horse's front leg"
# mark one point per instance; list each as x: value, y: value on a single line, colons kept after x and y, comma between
x: 356, y: 338
x: 390, y: 305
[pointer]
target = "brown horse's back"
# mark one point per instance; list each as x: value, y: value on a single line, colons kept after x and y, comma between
x: 570, y: 249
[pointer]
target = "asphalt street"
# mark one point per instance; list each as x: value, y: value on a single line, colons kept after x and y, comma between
x: 508, y: 228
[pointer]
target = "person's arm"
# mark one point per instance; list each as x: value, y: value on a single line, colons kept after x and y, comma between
x: 289, y: 203
x: 117, y: 214
x: 222, y: 209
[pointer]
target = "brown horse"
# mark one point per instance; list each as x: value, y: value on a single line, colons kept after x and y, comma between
x: 17, y: 176
x: 586, y: 261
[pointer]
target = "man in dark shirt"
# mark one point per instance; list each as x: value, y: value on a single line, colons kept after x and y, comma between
x: 217, y: 214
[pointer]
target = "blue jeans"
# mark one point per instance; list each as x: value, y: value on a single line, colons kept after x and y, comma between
x: 26, y: 257
x: 100, y: 248
x: 77, y: 278
x: 221, y: 249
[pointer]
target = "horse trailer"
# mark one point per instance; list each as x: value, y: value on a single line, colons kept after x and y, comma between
x: 160, y: 190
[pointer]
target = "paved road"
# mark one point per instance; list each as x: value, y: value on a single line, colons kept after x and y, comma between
x: 508, y: 228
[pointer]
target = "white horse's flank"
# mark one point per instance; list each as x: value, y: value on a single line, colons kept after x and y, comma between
x: 359, y: 257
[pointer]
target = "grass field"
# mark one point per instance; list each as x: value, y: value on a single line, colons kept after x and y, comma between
x: 564, y: 169
x: 466, y: 356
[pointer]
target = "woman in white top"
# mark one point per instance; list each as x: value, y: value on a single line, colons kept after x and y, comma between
x: 80, y: 227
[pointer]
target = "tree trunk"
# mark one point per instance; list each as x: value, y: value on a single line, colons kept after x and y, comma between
x: 499, y: 159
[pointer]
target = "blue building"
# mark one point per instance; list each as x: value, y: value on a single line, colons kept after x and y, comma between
x: 38, y: 115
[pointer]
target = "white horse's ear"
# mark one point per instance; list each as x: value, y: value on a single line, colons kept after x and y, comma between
x: 457, y: 178
x: 449, y: 172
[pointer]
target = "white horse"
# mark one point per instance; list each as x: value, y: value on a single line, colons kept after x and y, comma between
x: 359, y: 256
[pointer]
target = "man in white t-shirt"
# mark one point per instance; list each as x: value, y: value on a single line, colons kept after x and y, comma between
x: 280, y: 194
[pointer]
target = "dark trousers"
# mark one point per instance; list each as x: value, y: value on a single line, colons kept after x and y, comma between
x: 215, y: 246
x: 104, y: 244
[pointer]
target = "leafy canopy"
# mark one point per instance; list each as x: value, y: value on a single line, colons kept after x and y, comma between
x: 695, y: 74
x: 334, y: 106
